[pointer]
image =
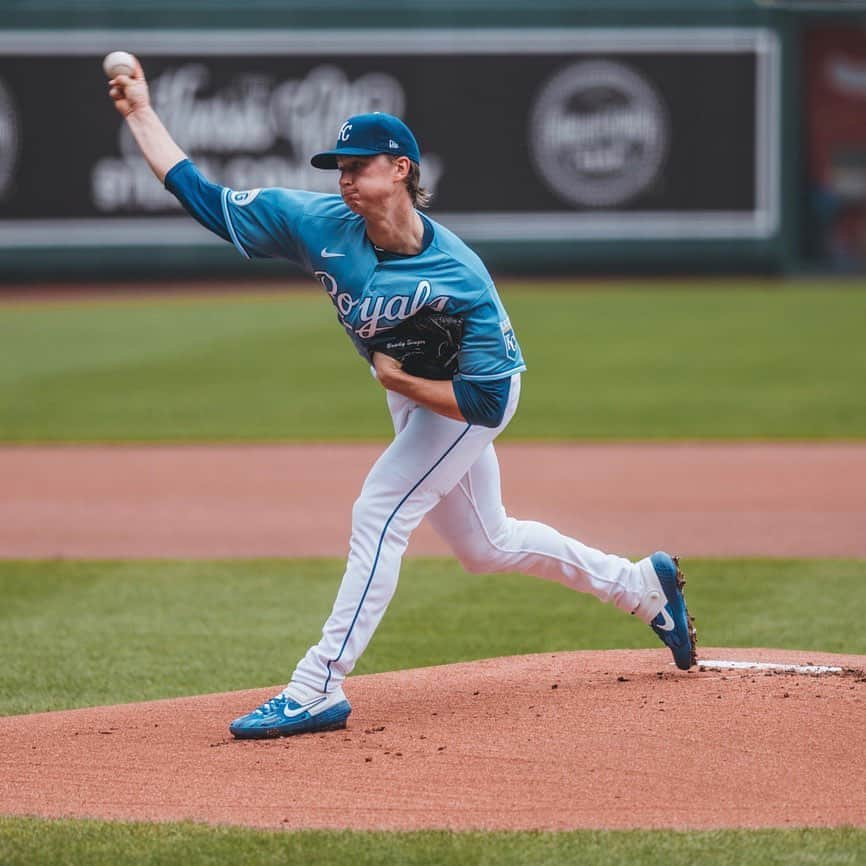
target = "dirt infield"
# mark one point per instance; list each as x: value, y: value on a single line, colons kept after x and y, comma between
x: 295, y: 500
x: 571, y: 740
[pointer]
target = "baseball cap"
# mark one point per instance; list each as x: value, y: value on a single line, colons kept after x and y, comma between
x: 369, y: 134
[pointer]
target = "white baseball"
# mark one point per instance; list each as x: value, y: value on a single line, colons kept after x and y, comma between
x: 118, y: 63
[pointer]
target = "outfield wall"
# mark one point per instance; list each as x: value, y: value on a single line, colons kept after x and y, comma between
x: 627, y: 137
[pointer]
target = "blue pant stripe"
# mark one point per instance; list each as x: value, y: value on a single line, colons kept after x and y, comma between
x: 379, y: 549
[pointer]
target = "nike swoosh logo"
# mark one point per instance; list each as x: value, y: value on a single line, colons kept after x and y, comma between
x: 667, y: 623
x: 293, y: 714
x: 327, y: 255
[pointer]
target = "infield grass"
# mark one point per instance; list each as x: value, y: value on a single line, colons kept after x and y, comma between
x: 621, y: 361
x: 89, y: 633
x: 31, y: 842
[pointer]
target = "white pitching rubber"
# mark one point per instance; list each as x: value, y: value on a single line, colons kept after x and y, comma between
x: 704, y: 664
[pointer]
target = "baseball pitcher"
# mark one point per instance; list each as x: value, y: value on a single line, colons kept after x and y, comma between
x: 424, y: 313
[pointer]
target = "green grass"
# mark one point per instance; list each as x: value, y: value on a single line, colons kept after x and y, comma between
x: 624, y: 361
x: 89, y: 633
x: 27, y: 842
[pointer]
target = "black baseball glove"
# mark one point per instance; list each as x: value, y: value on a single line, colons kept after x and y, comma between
x: 425, y: 344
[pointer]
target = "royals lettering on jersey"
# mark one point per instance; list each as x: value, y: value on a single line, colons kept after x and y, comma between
x: 319, y: 233
x: 378, y: 313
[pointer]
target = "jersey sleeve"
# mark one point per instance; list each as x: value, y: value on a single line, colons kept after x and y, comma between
x: 482, y: 403
x: 199, y: 197
x: 489, y: 349
x: 265, y: 223
x: 261, y: 223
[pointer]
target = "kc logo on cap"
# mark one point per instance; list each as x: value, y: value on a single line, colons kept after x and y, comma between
x: 371, y: 134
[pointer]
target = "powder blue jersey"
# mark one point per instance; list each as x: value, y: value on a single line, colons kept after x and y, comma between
x: 323, y: 236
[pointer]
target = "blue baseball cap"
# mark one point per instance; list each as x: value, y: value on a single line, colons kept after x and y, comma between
x: 368, y: 135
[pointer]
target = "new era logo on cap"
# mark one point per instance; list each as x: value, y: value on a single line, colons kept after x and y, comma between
x: 369, y: 134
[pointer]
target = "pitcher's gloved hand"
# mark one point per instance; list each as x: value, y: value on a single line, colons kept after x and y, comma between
x: 426, y: 345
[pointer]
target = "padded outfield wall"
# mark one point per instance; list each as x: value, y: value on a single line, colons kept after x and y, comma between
x: 622, y: 136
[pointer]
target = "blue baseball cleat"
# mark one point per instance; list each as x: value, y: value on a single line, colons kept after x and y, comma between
x: 673, y: 624
x: 283, y: 716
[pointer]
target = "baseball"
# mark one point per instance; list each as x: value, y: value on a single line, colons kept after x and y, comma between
x: 118, y: 63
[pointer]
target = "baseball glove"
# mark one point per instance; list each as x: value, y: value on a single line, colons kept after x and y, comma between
x: 425, y: 344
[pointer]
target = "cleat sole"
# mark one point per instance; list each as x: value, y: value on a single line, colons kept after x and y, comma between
x: 693, y: 633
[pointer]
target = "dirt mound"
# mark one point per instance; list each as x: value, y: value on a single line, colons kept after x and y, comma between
x: 603, y: 740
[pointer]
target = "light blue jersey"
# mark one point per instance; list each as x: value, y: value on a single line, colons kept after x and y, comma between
x: 323, y: 236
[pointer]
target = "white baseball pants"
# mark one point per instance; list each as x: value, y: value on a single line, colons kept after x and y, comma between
x: 448, y: 471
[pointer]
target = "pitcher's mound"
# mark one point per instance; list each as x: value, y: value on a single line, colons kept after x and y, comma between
x: 550, y: 741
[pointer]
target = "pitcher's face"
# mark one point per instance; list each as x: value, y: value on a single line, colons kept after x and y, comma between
x: 368, y: 183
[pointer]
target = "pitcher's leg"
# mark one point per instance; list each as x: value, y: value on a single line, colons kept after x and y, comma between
x: 485, y: 539
x: 426, y: 459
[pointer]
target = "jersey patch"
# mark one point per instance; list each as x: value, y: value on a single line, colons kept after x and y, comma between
x: 243, y: 197
x: 509, y: 339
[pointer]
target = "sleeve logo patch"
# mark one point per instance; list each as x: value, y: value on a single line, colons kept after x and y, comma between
x: 243, y: 197
x: 509, y: 339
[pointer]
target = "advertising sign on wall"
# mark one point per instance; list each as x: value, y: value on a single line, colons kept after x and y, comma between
x: 527, y: 135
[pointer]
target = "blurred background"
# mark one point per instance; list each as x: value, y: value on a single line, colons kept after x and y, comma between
x: 587, y: 137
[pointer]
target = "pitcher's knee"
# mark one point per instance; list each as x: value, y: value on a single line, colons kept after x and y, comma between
x: 478, y: 556
x: 360, y: 508
x: 474, y: 562
x: 372, y: 506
